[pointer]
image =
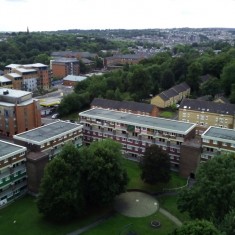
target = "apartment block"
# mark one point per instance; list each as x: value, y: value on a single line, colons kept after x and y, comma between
x: 13, y: 177
x: 136, y: 132
x: 217, y: 141
x: 207, y: 113
x: 28, y: 77
x: 62, y: 67
x: 126, y: 106
x: 5, y: 82
x: 43, y: 144
x: 19, y: 112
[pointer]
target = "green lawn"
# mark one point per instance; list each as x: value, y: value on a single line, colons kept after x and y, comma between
x: 169, y: 203
x: 30, y: 222
x: 115, y: 225
x: 135, y: 182
x: 167, y: 114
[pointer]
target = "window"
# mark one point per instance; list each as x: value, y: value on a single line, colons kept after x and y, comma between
x: 215, y: 142
x: 224, y: 144
x: 206, y: 141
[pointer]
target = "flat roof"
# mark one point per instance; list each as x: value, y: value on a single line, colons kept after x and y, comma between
x: 47, y: 132
x: 8, y: 149
x: 220, y: 134
x: 74, y: 78
x: 14, y: 93
x: 15, y: 75
x: 13, y: 66
x: 140, y: 120
x: 4, y: 79
x: 38, y: 65
x: 23, y: 70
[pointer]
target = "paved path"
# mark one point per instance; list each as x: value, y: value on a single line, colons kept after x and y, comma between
x: 170, y: 216
x: 90, y: 226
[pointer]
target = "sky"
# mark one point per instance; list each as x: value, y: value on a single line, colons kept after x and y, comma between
x: 52, y: 15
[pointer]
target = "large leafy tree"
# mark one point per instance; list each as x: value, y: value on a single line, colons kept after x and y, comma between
x: 228, y: 78
x: 197, y: 227
x: 155, y: 165
x: 61, y: 195
x: 228, y: 224
x: 103, y: 174
x: 213, y: 194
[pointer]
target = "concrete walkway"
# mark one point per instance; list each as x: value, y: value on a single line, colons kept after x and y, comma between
x: 170, y: 216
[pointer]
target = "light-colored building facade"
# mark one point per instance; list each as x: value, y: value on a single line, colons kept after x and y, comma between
x: 136, y: 132
x: 29, y: 77
x: 43, y: 144
x: 13, y: 177
x: 171, y: 96
x: 19, y: 112
x: 5, y: 82
x: 207, y: 113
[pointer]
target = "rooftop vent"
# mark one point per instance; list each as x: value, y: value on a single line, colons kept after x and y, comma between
x: 5, y: 92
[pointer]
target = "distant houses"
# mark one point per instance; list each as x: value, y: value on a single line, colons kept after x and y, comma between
x: 171, y: 96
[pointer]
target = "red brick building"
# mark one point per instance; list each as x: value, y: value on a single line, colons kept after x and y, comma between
x: 19, y: 112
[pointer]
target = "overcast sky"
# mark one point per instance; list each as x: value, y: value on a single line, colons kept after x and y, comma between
x: 44, y: 15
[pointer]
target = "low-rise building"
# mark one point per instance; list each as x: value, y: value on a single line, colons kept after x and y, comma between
x: 207, y: 113
x: 44, y: 143
x: 5, y: 82
x: 171, y: 96
x: 72, y: 80
x: 136, y: 132
x: 13, y: 177
x: 126, y: 106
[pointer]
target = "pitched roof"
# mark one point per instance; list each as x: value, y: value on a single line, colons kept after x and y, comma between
x: 174, y: 91
x: 128, y: 105
x: 208, y: 106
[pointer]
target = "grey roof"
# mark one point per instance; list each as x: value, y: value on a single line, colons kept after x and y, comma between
x: 129, y: 105
x: 13, y: 93
x: 7, y: 149
x: 140, y: 120
x: 74, y: 78
x: 208, y: 106
x: 47, y: 132
x: 64, y: 60
x: 174, y: 91
x: 220, y: 134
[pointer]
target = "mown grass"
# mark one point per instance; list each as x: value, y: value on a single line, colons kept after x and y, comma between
x: 135, y: 182
x: 28, y: 221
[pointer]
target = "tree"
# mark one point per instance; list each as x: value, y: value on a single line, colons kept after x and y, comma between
x: 61, y: 196
x: 228, y: 77
x: 155, y: 165
x: 197, y: 227
x: 212, y: 86
x: 193, y: 78
x: 104, y: 174
x: 232, y: 95
x: 228, y: 224
x: 214, y: 190
x: 167, y: 80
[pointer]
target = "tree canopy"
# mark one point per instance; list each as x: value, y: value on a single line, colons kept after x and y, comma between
x: 76, y: 179
x: 213, y: 194
x: 197, y: 227
x: 155, y: 165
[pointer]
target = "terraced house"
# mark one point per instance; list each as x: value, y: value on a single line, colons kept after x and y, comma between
x: 44, y: 143
x: 136, y: 132
x: 171, y: 96
x: 13, y: 177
